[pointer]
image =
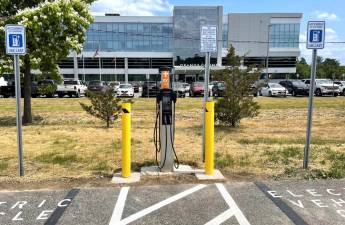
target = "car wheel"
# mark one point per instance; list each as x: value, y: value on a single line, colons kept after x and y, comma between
x: 77, y: 94
x: 60, y: 95
x: 294, y: 93
x: 344, y: 92
x: 318, y: 92
x: 270, y: 94
x: 335, y: 94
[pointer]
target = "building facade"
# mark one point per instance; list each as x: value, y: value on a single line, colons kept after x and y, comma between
x: 131, y: 48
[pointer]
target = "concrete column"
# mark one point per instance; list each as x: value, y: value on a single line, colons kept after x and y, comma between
x: 126, y: 70
x: 219, y: 36
x: 75, y: 66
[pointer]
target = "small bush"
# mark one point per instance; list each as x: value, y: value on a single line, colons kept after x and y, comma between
x: 103, y: 106
x: 100, y: 167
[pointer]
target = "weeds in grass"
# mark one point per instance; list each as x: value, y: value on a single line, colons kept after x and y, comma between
x: 101, y: 167
x: 3, y: 166
x: 57, y: 158
x: 224, y: 161
x: 337, y: 169
x: 284, y: 155
x: 284, y: 141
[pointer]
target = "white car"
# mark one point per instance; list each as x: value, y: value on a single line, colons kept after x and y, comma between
x: 115, y: 85
x: 125, y: 90
x: 341, y: 85
x: 273, y: 89
x: 324, y: 87
x: 71, y: 88
x: 3, y: 82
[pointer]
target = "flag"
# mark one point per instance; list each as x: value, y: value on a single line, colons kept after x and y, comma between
x: 96, y: 53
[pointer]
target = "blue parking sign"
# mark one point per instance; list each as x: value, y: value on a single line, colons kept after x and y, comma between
x: 316, y: 35
x: 15, y: 40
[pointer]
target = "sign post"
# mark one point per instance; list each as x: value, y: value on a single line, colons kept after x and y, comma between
x: 208, y: 44
x: 315, y: 40
x: 16, y: 45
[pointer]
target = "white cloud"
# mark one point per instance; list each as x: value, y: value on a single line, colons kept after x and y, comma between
x: 131, y: 7
x: 331, y: 50
x: 326, y: 15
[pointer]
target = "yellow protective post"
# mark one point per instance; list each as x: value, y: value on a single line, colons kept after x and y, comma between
x: 209, y: 138
x: 126, y: 140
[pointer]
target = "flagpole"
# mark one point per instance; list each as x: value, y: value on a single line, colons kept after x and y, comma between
x: 99, y: 62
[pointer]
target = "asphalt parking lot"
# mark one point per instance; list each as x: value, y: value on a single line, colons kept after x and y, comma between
x: 317, y: 202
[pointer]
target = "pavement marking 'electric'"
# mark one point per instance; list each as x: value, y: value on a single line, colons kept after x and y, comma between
x: 119, y: 206
x: 287, y: 210
x: 54, y: 218
x: 242, y: 220
x: 157, y: 206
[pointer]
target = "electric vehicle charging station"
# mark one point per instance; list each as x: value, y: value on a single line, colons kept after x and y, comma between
x: 164, y: 132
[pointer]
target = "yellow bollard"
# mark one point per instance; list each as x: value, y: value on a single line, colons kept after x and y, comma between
x: 209, y: 138
x: 126, y: 140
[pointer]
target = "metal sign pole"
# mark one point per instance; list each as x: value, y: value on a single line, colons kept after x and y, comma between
x: 310, y: 111
x: 206, y: 84
x: 19, y: 114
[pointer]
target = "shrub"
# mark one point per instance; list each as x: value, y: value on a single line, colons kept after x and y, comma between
x: 103, y: 106
x: 238, y: 102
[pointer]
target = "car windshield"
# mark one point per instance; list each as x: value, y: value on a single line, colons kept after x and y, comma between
x: 297, y: 83
x: 95, y: 83
x: 275, y: 85
x: 125, y: 86
x: 70, y: 82
x: 324, y: 81
x: 185, y: 85
x: 220, y: 84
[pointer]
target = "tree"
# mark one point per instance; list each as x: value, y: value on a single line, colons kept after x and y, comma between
x: 238, y: 101
x: 53, y: 29
x: 303, y: 69
x: 103, y: 106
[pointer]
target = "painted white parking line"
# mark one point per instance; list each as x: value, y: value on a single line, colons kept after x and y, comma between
x: 157, y: 206
x: 242, y: 220
x: 221, y: 217
x: 119, y: 206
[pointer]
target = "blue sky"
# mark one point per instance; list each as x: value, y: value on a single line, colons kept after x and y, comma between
x: 332, y: 11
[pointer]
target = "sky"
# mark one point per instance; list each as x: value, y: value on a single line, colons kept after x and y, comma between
x: 332, y: 11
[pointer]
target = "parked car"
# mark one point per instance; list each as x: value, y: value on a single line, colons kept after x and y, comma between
x: 47, y: 88
x: 115, y: 85
x: 179, y: 89
x: 218, y: 89
x: 3, y: 82
x: 137, y: 87
x: 295, y: 87
x: 341, y: 85
x: 324, y: 87
x: 150, y: 88
x: 98, y: 87
x: 71, y: 88
x: 273, y: 89
x: 186, y: 87
x: 125, y: 90
x: 10, y: 90
x: 197, y: 88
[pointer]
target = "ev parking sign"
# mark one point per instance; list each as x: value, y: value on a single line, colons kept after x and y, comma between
x: 15, y: 40
x: 316, y: 35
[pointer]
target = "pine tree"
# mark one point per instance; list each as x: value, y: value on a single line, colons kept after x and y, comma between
x: 238, y: 101
x: 103, y: 106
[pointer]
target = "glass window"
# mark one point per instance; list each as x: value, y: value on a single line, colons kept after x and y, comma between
x: 284, y: 35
